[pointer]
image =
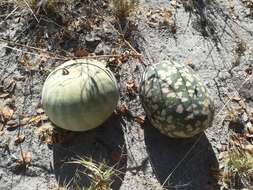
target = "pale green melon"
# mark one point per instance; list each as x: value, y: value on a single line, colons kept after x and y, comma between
x: 175, y: 100
x: 80, y: 95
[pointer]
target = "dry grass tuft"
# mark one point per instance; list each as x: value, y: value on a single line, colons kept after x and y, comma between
x: 64, y: 186
x: 122, y: 9
x: 38, y: 8
x: 100, y: 174
x: 238, y: 168
x: 236, y: 157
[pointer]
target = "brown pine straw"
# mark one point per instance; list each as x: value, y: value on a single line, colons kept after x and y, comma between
x: 56, y: 56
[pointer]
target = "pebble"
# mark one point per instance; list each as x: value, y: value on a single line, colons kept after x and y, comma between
x: 92, y: 40
x: 11, y: 125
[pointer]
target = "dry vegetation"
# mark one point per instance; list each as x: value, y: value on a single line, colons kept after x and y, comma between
x: 40, y: 13
x: 100, y: 175
x: 122, y: 9
x: 236, y: 160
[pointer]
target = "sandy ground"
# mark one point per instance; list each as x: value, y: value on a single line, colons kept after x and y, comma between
x: 214, y: 37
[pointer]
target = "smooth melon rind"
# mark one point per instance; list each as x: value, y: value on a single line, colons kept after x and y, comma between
x: 79, y: 105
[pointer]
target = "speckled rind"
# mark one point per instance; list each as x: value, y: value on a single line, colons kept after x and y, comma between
x: 175, y: 100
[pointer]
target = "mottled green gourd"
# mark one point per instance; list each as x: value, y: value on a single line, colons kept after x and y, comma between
x: 175, y: 100
x: 80, y: 95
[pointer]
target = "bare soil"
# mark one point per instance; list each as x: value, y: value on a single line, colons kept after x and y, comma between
x: 214, y: 37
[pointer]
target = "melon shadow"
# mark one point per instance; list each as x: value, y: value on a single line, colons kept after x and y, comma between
x: 105, y: 143
x: 166, y: 153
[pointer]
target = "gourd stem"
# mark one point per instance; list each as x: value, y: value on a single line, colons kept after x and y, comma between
x: 78, y: 61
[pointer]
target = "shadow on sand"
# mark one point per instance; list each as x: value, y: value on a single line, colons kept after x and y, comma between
x: 105, y: 143
x: 166, y: 154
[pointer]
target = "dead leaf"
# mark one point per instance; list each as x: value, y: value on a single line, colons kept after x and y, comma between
x: 236, y: 98
x: 131, y: 87
x: 40, y: 111
x: 25, y: 158
x: 249, y: 148
x: 43, y: 58
x: 46, y: 133
x: 115, y: 61
x: 24, y: 60
x: 80, y: 52
x: 234, y: 140
x: 43, y: 128
x: 139, y: 119
x: 123, y: 109
x: 251, y: 119
x: 49, y: 141
x: 249, y: 127
x: 44, y: 117
x: 1, y: 126
x: 167, y: 17
x: 174, y: 28
x: 242, y: 104
x: 6, y: 112
x: 4, y: 95
x: 11, y: 87
x: 25, y: 120
x: 74, y: 24
x: 248, y: 135
x: 238, y: 109
x: 19, y: 139
x: 37, y: 119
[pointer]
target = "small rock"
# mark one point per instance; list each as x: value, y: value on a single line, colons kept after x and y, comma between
x: 11, y: 122
x: 92, y: 41
x: 17, y: 20
x: 11, y: 125
x: 102, y: 49
x: 245, y: 117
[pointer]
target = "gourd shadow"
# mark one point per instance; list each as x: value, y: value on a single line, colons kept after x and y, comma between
x: 104, y: 144
x: 166, y: 154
